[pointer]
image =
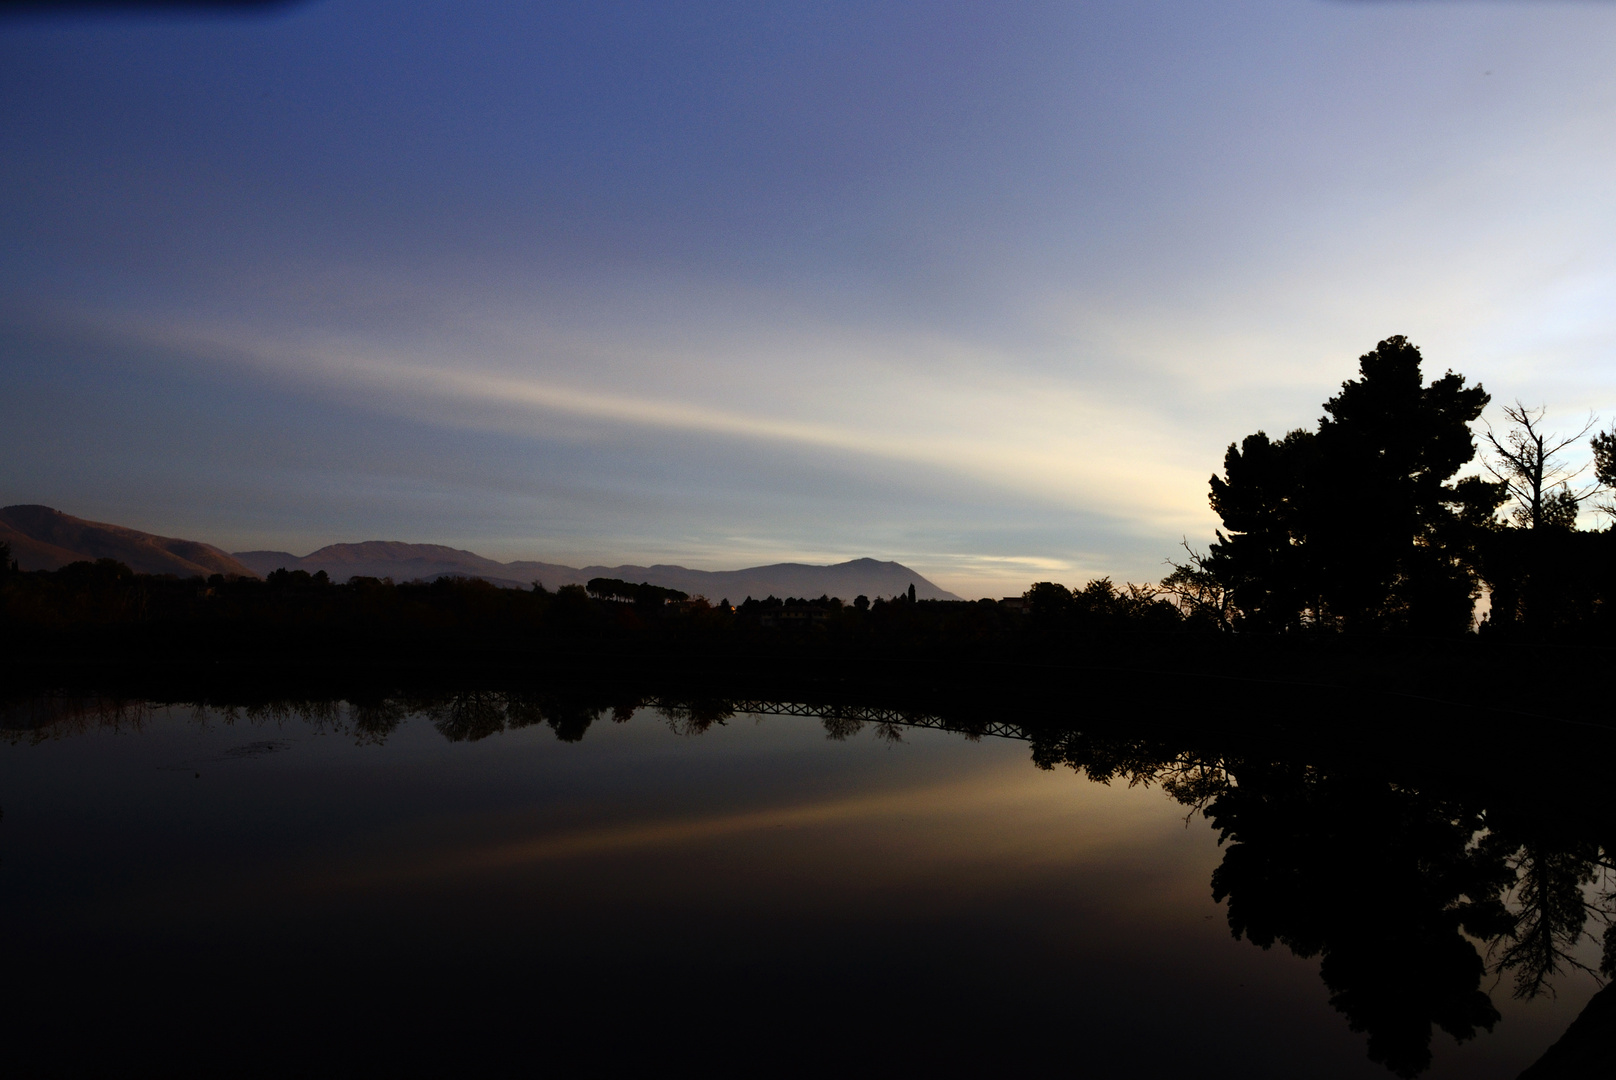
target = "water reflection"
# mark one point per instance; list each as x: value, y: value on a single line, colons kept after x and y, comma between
x: 1417, y: 879
x: 1388, y: 876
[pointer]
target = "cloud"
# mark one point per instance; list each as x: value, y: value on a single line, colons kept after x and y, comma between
x: 977, y: 420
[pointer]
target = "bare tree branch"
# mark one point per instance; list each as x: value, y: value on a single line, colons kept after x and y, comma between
x: 1524, y: 461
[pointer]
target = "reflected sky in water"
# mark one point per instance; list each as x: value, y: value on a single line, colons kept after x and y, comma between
x: 758, y: 888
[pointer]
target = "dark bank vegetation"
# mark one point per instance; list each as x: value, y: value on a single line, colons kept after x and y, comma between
x: 99, y: 626
x: 1428, y: 875
x: 98, y: 621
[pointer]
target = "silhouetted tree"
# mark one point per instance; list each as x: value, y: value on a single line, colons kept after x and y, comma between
x: 1049, y: 603
x: 1523, y: 460
x: 1201, y: 595
x: 1544, y: 575
x: 1355, y: 526
x: 644, y: 594
x: 1604, y: 447
x: 1262, y: 560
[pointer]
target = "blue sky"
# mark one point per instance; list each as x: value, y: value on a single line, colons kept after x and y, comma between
x: 986, y: 289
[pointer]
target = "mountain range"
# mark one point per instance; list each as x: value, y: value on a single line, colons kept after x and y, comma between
x: 45, y: 539
x: 410, y: 562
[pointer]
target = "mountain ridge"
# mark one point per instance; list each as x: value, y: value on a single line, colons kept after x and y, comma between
x: 43, y: 538
x: 404, y: 561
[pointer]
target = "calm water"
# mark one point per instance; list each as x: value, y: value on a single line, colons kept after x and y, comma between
x: 197, y: 890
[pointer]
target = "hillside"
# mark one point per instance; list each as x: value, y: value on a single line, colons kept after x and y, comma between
x: 390, y: 559
x: 408, y: 562
x: 45, y: 539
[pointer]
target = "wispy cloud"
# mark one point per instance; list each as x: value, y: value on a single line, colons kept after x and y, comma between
x: 1029, y: 433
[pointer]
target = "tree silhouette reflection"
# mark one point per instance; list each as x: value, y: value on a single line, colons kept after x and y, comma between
x: 474, y: 715
x: 470, y: 716
x: 1385, y: 881
x: 1378, y: 882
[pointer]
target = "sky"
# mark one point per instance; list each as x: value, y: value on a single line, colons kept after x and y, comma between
x: 983, y: 288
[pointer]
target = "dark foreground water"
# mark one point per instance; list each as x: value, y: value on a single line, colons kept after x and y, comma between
x: 190, y: 890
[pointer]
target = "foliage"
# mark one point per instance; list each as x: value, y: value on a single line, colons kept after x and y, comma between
x: 1200, y: 593
x: 1354, y: 526
x: 1263, y: 560
x: 643, y: 593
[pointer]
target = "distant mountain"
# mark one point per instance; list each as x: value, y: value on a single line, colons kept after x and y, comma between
x: 866, y: 577
x: 46, y: 539
x: 409, y: 562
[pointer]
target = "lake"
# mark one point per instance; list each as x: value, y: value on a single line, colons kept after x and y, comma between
x: 329, y: 887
